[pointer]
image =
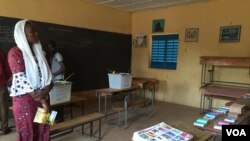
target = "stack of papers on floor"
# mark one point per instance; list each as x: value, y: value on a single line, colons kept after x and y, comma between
x: 201, y: 122
x: 222, y: 110
x: 212, y: 115
x: 161, y: 132
x: 230, y: 119
x: 219, y: 124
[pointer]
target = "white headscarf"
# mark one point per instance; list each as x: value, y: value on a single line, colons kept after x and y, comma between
x: 31, y: 68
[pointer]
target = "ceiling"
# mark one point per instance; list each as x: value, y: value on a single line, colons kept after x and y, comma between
x: 139, y: 5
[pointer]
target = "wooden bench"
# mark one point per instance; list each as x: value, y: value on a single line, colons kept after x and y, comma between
x: 220, y: 92
x: 68, y: 124
x: 130, y: 103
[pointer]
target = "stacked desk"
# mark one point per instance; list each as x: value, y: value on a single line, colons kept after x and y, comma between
x: 221, y: 92
x: 212, y: 88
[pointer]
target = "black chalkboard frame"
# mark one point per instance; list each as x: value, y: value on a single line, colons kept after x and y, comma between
x: 87, y: 53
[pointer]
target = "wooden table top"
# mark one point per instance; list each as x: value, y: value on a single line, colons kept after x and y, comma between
x: 73, y: 99
x: 143, y: 81
x: 111, y: 91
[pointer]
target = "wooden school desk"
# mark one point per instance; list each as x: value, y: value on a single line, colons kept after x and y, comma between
x: 146, y: 83
x: 109, y: 92
x: 130, y: 100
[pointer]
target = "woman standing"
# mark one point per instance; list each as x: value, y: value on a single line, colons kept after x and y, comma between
x: 31, y: 82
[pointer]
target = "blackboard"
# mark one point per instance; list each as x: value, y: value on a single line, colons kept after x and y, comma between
x: 87, y: 53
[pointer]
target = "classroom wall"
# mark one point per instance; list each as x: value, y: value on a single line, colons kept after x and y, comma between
x: 67, y: 12
x: 182, y: 85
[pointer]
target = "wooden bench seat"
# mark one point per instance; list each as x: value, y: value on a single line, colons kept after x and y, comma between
x: 130, y: 103
x: 223, y: 91
x: 220, y: 92
x: 68, y: 124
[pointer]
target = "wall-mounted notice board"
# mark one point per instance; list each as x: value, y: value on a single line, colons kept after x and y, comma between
x: 89, y: 54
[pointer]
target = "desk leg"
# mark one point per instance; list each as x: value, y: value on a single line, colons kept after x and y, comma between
x: 153, y: 94
x: 99, y: 102
x: 152, y: 90
x: 100, y: 128
x: 152, y: 98
x: 91, y: 129
x: 83, y: 114
x: 126, y: 110
x: 210, y: 103
x: 83, y: 108
x: 202, y: 103
x: 144, y: 91
x: 71, y: 111
x: 105, y: 104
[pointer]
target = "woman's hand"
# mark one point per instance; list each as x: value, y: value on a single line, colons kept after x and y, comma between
x: 45, y: 105
x: 43, y: 93
x: 37, y: 96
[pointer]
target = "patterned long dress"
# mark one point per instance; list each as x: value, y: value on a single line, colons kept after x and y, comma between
x: 24, y: 106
